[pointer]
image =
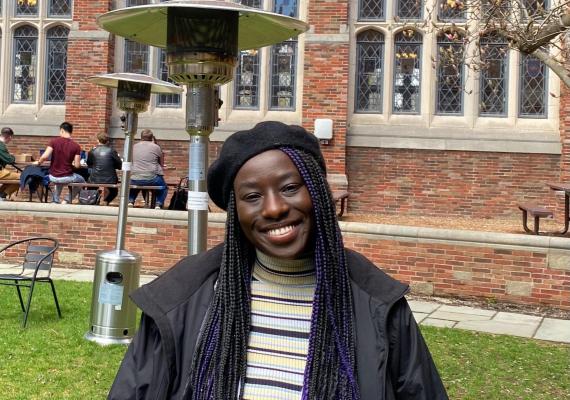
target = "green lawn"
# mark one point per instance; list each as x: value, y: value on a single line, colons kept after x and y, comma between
x: 51, y: 360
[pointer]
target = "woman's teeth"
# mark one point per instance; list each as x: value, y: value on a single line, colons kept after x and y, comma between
x: 280, y: 231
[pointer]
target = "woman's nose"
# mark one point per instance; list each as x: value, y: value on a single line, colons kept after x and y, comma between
x: 274, y: 206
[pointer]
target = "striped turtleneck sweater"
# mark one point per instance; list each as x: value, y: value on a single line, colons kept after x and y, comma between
x: 281, y: 305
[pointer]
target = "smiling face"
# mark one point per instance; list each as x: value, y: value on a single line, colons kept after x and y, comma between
x: 274, y: 207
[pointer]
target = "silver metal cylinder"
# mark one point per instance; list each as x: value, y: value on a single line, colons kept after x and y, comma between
x: 197, y: 194
x: 201, y: 108
x: 130, y: 128
x: 113, y: 314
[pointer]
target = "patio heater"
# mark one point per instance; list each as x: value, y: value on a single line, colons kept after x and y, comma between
x: 202, y: 41
x: 113, y: 314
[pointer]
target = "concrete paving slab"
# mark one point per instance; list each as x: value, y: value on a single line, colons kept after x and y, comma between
x: 59, y: 272
x: 455, y: 316
x: 80, y: 275
x: 501, y: 328
x: 144, y: 279
x: 423, y: 306
x: 419, y: 317
x: 440, y: 323
x: 9, y: 269
x: 467, y: 310
x: 517, y: 318
x: 557, y: 330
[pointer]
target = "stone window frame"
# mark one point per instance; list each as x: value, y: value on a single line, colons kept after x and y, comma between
x: 9, y: 22
x: 49, y: 41
x: 159, y: 103
x: 267, y: 78
x: 431, y: 130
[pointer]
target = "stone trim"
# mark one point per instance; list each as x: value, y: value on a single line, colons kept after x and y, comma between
x: 386, y: 136
x: 89, y: 35
x: 390, y: 232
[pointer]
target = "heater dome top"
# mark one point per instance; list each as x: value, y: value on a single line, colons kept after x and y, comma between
x: 112, y: 81
x: 148, y: 24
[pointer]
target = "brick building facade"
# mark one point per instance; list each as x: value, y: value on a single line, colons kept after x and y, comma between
x: 393, y: 149
x: 425, y: 163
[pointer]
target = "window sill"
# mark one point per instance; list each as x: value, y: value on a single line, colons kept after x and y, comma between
x: 507, y: 140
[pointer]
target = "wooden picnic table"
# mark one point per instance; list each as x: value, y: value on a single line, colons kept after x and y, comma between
x: 563, y: 187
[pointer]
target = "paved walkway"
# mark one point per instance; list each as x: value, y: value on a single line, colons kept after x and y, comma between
x: 426, y: 313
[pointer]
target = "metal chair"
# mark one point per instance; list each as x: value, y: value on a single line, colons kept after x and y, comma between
x: 36, y: 268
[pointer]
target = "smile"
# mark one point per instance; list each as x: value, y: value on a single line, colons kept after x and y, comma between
x: 280, y: 231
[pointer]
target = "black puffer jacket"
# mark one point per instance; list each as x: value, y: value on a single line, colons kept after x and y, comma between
x: 392, y: 359
x: 103, y: 161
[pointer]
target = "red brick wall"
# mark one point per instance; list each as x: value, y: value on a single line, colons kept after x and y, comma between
x: 565, y: 133
x: 88, y: 107
x: 447, y: 183
x: 489, y: 270
x: 325, y: 83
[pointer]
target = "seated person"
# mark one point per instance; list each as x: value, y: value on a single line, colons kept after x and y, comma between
x: 147, y: 168
x: 6, y: 189
x: 65, y: 155
x: 104, y: 161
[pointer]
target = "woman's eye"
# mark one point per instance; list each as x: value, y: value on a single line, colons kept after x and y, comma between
x: 251, y: 197
x: 291, y: 188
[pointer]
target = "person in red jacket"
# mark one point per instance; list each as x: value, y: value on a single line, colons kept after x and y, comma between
x: 65, y: 155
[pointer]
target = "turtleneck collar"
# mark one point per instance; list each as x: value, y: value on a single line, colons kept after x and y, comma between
x: 284, y: 272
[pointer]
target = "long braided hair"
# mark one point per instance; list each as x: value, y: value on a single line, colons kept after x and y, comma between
x: 219, y: 363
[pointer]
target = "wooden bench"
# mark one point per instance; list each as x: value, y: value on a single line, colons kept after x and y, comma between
x: 341, y: 197
x: 150, y: 203
x: 535, y: 211
x: 42, y: 191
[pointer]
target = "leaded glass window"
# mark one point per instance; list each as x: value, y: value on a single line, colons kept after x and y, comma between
x: 370, y: 71
x: 283, y: 75
x: 451, y: 10
x: 371, y: 10
x: 26, y: 7
x: 246, y: 87
x: 494, y: 55
x: 252, y: 3
x: 450, y: 73
x: 132, y: 3
x: 56, y: 70
x: 407, y: 72
x: 166, y: 99
x: 409, y: 9
x: 533, y: 87
x: 25, y: 64
x: 59, y: 8
x: 136, y: 57
x: 536, y: 9
x: 286, y: 7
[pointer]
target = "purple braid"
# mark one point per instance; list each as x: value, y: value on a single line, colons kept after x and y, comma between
x: 332, y: 318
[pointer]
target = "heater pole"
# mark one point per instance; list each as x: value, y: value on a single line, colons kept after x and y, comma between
x: 197, y: 194
x: 202, y: 104
x: 130, y: 127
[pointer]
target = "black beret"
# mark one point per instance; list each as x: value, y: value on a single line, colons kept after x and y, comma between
x: 243, y: 145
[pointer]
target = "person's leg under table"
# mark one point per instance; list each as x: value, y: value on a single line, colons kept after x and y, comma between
x: 9, y: 188
x: 160, y: 194
x: 61, y: 181
x: 75, y: 190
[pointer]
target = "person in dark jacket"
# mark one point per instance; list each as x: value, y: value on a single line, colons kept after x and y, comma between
x: 104, y: 163
x: 281, y: 309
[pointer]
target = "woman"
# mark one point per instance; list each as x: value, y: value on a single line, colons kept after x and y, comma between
x: 280, y: 310
x: 104, y: 161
